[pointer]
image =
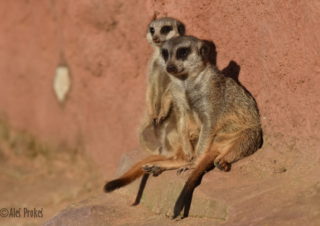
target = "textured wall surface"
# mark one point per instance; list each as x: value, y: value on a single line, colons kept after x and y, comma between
x: 275, y: 43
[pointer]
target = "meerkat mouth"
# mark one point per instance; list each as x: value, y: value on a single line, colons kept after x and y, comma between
x: 180, y: 75
x: 158, y: 42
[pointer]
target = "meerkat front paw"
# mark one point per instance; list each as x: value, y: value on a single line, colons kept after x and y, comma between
x: 162, y: 116
x: 160, y: 120
x: 189, y: 157
x: 182, y: 170
x: 153, y: 120
x: 222, y: 165
x: 194, y: 136
x: 152, y: 169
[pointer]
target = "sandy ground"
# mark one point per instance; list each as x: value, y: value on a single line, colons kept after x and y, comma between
x: 272, y: 187
x: 67, y: 190
x: 47, y: 181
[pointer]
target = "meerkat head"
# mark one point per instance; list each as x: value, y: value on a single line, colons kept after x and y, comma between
x: 186, y: 56
x: 163, y: 29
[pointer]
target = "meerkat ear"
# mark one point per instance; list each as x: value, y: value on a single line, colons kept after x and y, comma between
x: 155, y: 15
x: 207, y: 50
x: 181, y: 28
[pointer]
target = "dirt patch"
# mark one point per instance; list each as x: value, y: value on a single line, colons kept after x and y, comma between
x: 41, y: 176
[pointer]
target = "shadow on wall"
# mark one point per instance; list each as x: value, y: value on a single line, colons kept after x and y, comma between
x: 233, y: 68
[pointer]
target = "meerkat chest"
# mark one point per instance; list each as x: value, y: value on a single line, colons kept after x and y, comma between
x: 196, y: 96
x: 179, y: 96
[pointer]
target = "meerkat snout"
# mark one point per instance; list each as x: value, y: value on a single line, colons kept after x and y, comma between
x: 171, y: 68
x: 156, y: 39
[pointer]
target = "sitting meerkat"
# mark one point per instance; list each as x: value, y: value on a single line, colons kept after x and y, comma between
x: 229, y: 119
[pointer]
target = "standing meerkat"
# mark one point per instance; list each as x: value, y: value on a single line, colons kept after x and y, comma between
x: 159, y: 134
x: 229, y: 119
x: 159, y: 31
x: 155, y: 129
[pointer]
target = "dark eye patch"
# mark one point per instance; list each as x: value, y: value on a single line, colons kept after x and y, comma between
x: 182, y: 53
x: 165, y: 29
x: 165, y: 54
x: 151, y: 29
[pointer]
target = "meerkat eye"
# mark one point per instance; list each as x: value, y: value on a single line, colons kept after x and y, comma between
x: 165, y: 54
x: 151, y: 29
x: 182, y: 53
x: 165, y: 29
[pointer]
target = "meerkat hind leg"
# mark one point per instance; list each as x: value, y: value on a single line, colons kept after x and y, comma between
x: 237, y: 147
x: 142, y: 186
x: 156, y: 168
x: 132, y: 174
x: 204, y: 164
x: 220, y: 162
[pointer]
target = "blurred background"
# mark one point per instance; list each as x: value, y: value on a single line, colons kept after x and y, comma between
x: 73, y: 81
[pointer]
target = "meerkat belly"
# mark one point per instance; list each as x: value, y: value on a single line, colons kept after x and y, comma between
x: 164, y: 80
x: 198, y: 103
x: 179, y: 97
x: 160, y: 82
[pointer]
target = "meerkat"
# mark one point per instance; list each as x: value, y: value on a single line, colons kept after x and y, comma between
x: 159, y: 134
x: 153, y: 134
x: 159, y: 31
x: 160, y: 102
x: 229, y: 119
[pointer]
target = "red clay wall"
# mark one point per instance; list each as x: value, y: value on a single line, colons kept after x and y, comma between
x: 276, y: 44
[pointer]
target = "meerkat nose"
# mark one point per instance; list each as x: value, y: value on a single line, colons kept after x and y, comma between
x: 156, y: 39
x: 171, y: 68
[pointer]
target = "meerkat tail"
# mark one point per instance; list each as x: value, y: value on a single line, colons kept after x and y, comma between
x: 185, y: 197
x: 132, y: 174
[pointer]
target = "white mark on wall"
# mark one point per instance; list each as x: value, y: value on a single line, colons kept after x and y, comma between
x: 62, y: 83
